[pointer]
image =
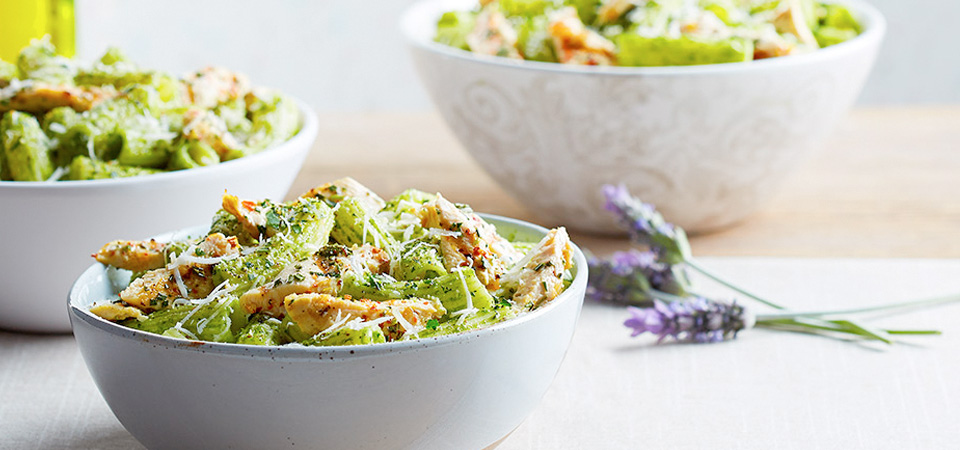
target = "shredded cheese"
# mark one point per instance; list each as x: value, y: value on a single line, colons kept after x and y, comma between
x: 57, y: 174
x: 180, y: 285
x: 470, y: 309
x: 408, y: 328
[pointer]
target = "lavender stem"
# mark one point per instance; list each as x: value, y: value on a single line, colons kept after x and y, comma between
x: 695, y: 265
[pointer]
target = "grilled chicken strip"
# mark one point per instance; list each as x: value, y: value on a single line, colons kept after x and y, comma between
x: 575, y: 43
x: 157, y: 288
x: 540, y: 278
x: 38, y: 98
x: 493, y: 34
x: 477, y: 245
x: 314, y: 313
x: 205, y: 126
x: 317, y: 275
x: 299, y: 278
x: 135, y: 256
x: 115, y: 312
x: 348, y: 187
x: 251, y: 215
x: 211, y: 86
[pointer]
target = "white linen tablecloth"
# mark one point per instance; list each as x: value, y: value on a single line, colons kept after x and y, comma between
x: 765, y: 390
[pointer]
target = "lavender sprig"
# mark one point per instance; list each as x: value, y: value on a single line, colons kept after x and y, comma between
x: 628, y: 277
x: 670, y: 246
x: 646, y: 226
x: 697, y: 319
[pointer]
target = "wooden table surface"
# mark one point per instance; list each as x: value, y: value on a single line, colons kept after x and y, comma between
x: 885, y: 184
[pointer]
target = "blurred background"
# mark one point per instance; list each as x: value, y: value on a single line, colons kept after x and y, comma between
x: 346, y: 55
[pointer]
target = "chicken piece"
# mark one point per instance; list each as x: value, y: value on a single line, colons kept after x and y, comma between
x: 771, y: 45
x: 211, y: 86
x: 575, y: 43
x: 612, y: 10
x: 205, y: 126
x: 315, y: 313
x: 348, y: 187
x: 366, y: 258
x: 791, y: 19
x: 115, y: 312
x: 335, y: 259
x: 500, y: 247
x: 301, y: 277
x: 317, y: 275
x: 469, y: 248
x: 251, y: 215
x: 38, y: 98
x: 540, y: 278
x: 493, y: 34
x: 135, y: 256
x: 157, y: 288
x: 217, y: 245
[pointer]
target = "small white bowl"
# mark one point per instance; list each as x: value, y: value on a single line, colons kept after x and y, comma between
x: 50, y: 229
x: 706, y: 144
x: 464, y: 391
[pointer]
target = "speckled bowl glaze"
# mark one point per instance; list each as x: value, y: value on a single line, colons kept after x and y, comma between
x: 49, y: 230
x: 465, y: 391
x: 706, y: 144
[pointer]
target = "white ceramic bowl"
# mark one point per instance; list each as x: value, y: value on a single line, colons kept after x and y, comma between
x: 464, y: 391
x: 49, y: 230
x: 706, y: 144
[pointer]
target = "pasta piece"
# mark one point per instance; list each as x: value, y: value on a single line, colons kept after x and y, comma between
x: 25, y: 147
x: 355, y: 226
x: 418, y: 260
x: 457, y: 291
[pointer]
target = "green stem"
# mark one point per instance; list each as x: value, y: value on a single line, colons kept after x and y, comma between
x: 878, y: 308
x: 848, y: 326
x: 915, y: 332
x: 695, y: 265
x: 783, y: 323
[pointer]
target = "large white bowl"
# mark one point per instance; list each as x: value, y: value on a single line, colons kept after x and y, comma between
x: 706, y: 144
x: 464, y: 391
x: 49, y: 230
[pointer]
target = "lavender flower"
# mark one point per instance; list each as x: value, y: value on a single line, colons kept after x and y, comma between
x: 627, y: 278
x: 696, y: 320
x: 646, y: 226
x: 635, y: 278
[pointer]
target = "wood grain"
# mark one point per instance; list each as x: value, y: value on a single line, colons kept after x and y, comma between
x: 886, y: 184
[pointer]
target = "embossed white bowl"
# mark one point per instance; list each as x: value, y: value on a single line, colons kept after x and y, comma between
x: 706, y: 144
x: 49, y: 230
x: 464, y: 391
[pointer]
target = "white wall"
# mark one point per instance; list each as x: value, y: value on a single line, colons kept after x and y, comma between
x: 347, y: 55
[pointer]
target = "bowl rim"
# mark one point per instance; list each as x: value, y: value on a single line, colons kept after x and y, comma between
x: 309, y: 128
x: 78, y: 313
x: 422, y: 11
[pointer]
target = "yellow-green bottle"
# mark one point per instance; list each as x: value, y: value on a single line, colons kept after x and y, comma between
x: 23, y: 20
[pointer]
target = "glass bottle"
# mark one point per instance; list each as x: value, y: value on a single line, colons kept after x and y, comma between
x: 23, y: 20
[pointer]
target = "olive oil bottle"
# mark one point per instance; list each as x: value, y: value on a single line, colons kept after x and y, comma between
x: 23, y: 20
